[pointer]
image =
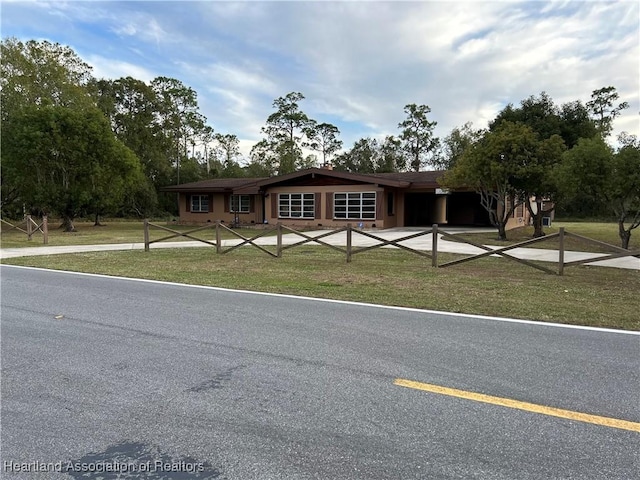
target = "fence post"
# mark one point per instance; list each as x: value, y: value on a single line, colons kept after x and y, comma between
x: 218, y: 238
x: 349, y: 238
x: 434, y: 245
x: 45, y: 229
x: 279, y: 240
x: 146, y: 234
x: 29, y: 228
x: 561, y: 251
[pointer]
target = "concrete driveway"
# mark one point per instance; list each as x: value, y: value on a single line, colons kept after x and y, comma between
x: 423, y: 243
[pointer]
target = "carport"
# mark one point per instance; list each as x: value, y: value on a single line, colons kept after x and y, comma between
x: 456, y: 209
x: 418, y: 209
x: 465, y: 209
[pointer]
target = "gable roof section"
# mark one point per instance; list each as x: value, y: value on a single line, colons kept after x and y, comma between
x: 323, y: 172
x: 408, y: 180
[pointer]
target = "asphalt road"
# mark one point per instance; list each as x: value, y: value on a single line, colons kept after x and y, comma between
x: 109, y: 378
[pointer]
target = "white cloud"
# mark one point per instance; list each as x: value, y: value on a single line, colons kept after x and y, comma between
x: 113, y: 69
x: 359, y: 63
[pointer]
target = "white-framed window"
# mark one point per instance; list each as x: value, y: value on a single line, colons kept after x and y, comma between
x: 296, y: 205
x: 239, y: 203
x: 200, y: 203
x: 354, y: 206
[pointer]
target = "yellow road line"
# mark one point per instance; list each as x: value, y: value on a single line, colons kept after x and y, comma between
x: 529, y: 407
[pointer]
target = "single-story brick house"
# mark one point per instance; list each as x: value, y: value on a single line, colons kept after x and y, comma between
x: 321, y: 197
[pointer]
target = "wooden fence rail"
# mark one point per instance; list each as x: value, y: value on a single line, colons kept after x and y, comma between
x: 561, y: 236
x: 308, y: 239
x: 30, y: 227
x: 499, y: 251
x: 245, y: 240
x: 349, y: 250
x: 148, y: 224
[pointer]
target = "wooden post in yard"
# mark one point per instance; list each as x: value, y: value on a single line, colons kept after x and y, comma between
x: 29, y: 228
x: 279, y: 240
x: 218, y: 238
x: 349, y: 239
x: 45, y: 229
x: 146, y: 234
x: 434, y: 245
x: 561, y: 251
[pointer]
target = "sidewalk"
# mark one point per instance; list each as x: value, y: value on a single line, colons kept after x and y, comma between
x: 338, y: 239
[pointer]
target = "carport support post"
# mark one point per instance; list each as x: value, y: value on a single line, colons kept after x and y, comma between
x: 218, y: 239
x: 561, y: 251
x: 29, y: 228
x: 45, y: 229
x: 146, y: 234
x: 434, y: 245
x: 349, y: 238
x: 279, y: 240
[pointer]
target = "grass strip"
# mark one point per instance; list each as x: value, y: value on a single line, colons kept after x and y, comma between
x: 593, y: 296
x: 114, y: 232
x: 604, y: 232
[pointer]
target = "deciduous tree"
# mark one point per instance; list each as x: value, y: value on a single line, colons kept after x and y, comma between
x: 41, y: 73
x: 495, y: 167
x: 571, y: 120
x: 455, y: 144
x: 555, y: 127
x: 391, y: 156
x: 34, y: 74
x: 361, y: 158
x: 67, y: 161
x: 131, y: 106
x: 612, y: 178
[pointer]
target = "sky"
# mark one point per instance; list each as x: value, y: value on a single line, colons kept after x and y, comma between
x: 358, y: 63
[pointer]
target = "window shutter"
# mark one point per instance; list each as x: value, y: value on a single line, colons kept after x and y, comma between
x: 379, y: 205
x: 188, y: 197
x: 329, y: 212
x: 210, y: 209
x: 274, y: 205
x: 227, y: 199
x: 318, y: 207
x: 252, y: 204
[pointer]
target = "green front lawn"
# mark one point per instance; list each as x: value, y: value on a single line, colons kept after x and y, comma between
x: 594, y: 296
x: 116, y: 231
x: 604, y: 232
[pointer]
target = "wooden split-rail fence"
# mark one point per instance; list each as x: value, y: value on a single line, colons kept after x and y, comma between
x: 349, y: 250
x: 29, y: 227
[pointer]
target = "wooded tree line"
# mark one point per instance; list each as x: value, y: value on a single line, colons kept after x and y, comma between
x: 76, y: 145
x: 539, y: 154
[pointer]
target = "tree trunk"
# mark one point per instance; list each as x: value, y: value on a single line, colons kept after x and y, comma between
x: 67, y: 224
x: 537, y: 223
x: 502, y: 231
x: 536, y: 217
x: 625, y: 235
x: 97, y: 221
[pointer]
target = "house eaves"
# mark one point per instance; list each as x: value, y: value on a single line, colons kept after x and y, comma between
x: 254, y: 186
x: 323, y: 172
x: 212, y: 185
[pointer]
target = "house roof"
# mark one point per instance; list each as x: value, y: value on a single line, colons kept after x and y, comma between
x: 323, y: 172
x: 416, y: 179
x: 255, y: 185
x: 212, y: 185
